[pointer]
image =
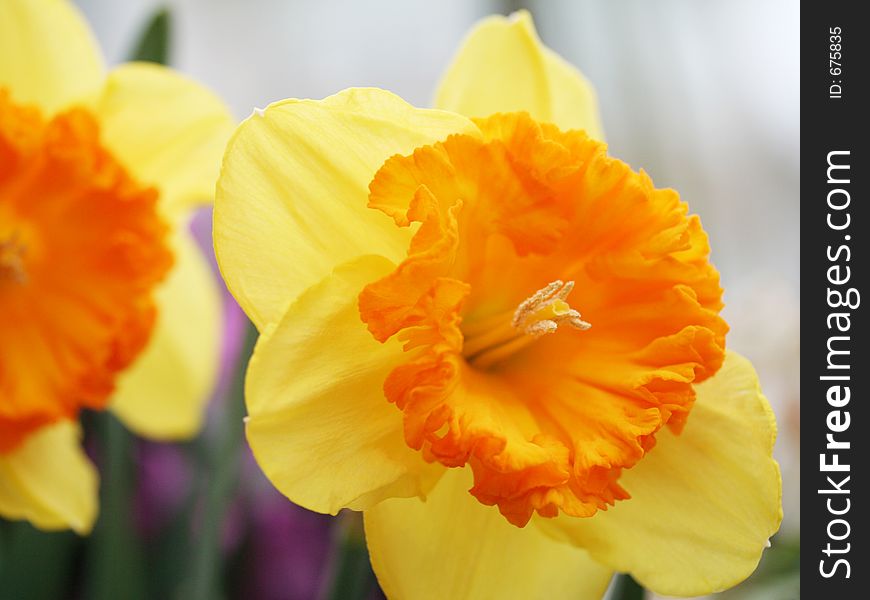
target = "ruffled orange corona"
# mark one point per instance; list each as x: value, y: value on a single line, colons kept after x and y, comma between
x: 502, y: 373
x: 501, y: 344
x: 81, y: 250
x: 106, y: 301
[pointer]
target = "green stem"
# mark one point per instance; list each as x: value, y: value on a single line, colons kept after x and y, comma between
x: 35, y: 564
x: 115, y: 560
x: 352, y: 576
x: 627, y: 588
x: 221, y: 475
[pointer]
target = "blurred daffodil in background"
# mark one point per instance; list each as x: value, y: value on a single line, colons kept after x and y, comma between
x: 106, y: 303
x: 499, y: 343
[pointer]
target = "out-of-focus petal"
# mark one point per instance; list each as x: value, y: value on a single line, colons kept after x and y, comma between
x: 452, y: 546
x: 704, y: 503
x: 169, y: 131
x: 49, y: 481
x: 163, y: 394
x: 319, y: 424
x: 48, y: 55
x: 291, y: 200
x: 504, y: 67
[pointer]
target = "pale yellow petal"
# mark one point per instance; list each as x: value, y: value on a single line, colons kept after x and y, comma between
x: 49, y: 480
x: 291, y: 200
x: 451, y: 546
x: 704, y: 503
x: 163, y: 394
x: 573, y: 101
x: 48, y: 55
x: 503, y: 67
x: 169, y: 131
x: 319, y: 424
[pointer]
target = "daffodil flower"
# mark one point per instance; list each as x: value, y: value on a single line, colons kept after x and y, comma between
x: 105, y: 300
x: 498, y: 342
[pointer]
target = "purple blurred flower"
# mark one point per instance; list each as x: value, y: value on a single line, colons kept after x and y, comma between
x: 165, y: 481
x: 288, y: 548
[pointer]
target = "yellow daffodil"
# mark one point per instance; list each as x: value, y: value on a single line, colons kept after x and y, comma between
x: 500, y: 343
x: 105, y: 300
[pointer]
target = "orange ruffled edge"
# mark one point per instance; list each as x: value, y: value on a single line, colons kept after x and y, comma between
x: 86, y: 310
x: 542, y: 194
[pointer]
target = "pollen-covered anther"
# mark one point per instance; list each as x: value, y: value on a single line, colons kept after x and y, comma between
x: 545, y: 310
x: 494, y: 340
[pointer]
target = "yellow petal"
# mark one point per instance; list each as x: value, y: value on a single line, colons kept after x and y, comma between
x: 503, y: 67
x: 163, y: 394
x: 291, y: 200
x: 48, y: 55
x: 704, y: 503
x: 319, y: 424
x: 451, y: 546
x: 49, y: 481
x: 169, y: 132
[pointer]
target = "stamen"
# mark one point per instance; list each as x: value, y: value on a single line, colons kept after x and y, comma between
x: 12, y: 260
x: 546, y: 309
x: 538, y: 315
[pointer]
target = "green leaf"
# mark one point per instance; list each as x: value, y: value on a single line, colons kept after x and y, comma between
x: 153, y: 44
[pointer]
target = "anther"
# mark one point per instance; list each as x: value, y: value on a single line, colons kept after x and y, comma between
x: 542, y: 313
x: 545, y: 310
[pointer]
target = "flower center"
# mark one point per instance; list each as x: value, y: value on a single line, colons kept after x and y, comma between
x: 82, y: 247
x: 546, y: 422
x: 492, y: 340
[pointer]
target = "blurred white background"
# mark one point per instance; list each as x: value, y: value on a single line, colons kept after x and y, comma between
x: 704, y: 96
